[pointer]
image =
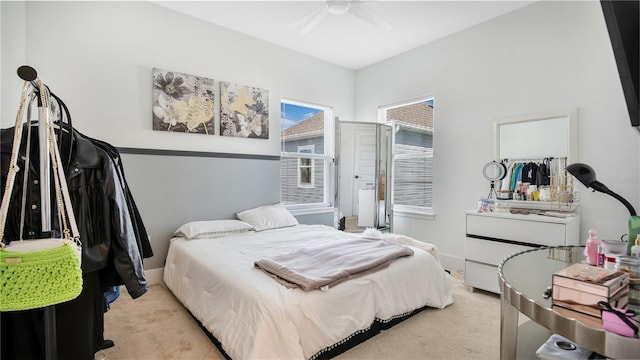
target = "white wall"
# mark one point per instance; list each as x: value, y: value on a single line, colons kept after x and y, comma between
x: 98, y: 56
x: 547, y: 56
x: 12, y: 43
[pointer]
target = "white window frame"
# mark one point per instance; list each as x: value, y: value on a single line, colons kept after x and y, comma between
x: 328, y: 158
x: 307, y: 149
x: 409, y: 210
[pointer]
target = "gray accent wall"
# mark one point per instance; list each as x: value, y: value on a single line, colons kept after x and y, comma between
x: 171, y: 190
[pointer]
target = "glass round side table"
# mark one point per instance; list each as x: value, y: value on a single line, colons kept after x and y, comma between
x: 524, y: 277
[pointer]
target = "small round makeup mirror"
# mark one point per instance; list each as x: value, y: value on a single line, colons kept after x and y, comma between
x: 494, y: 171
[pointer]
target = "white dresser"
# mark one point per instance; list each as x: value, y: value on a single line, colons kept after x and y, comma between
x: 491, y: 237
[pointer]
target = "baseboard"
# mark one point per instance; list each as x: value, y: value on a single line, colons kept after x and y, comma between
x: 154, y: 276
x: 451, y: 262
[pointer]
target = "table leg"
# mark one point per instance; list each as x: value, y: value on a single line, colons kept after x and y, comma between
x: 508, y: 328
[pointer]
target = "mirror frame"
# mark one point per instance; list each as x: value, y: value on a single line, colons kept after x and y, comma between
x: 572, y: 132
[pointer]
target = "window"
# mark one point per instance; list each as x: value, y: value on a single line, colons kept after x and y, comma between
x: 412, y: 183
x: 306, y: 165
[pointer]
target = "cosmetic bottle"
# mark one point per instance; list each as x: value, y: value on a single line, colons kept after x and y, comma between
x: 635, y: 249
x: 600, y: 255
x: 591, y: 250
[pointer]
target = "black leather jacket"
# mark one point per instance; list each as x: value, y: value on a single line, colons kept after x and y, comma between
x: 108, y: 238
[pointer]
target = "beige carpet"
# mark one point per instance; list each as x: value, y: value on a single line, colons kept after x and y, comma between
x: 351, y: 225
x: 156, y: 326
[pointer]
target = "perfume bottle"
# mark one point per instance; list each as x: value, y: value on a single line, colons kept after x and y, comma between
x: 591, y: 250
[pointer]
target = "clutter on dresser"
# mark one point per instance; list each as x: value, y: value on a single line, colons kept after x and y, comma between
x: 486, y: 205
x: 557, y: 214
x: 537, y: 184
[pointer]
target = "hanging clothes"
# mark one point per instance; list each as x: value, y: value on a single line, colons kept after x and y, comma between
x: 112, y: 239
x: 506, y: 182
x: 517, y: 176
x: 99, y: 204
x: 543, y: 173
x: 141, y: 234
x: 534, y: 172
x: 529, y: 172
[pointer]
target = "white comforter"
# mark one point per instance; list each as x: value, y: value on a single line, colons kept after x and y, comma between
x: 254, y: 316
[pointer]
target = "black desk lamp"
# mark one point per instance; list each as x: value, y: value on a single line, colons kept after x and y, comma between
x: 587, y: 176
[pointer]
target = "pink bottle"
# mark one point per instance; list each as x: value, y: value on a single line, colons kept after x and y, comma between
x: 591, y: 250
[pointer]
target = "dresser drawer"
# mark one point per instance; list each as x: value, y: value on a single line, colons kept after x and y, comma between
x: 489, y: 252
x: 523, y: 231
x: 492, y: 237
x: 481, y: 276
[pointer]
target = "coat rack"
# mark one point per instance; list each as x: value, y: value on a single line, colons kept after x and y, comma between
x: 27, y: 73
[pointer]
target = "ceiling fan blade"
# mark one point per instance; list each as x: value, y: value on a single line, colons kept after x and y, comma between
x: 324, y: 10
x: 305, y: 19
x: 364, y: 12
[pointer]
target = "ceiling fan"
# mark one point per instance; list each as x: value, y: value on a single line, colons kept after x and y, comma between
x: 340, y: 7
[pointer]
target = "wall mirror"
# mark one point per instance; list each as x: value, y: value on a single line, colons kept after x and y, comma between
x: 533, y: 141
x: 537, y: 136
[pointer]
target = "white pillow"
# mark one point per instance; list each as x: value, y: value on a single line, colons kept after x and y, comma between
x: 268, y: 217
x: 212, y: 229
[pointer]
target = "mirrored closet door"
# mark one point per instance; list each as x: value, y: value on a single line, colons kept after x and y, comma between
x: 364, y: 174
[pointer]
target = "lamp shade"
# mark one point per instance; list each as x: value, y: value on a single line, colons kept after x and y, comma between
x: 587, y: 176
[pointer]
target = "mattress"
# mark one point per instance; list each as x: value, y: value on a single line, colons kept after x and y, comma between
x: 254, y: 316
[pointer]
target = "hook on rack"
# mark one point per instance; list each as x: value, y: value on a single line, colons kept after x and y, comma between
x: 27, y: 73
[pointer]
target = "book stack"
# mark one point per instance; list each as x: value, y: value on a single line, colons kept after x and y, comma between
x: 578, y: 288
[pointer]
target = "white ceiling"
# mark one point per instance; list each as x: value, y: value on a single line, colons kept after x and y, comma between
x: 347, y: 40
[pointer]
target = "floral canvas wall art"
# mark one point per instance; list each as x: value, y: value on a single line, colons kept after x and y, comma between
x: 244, y: 111
x: 182, y: 102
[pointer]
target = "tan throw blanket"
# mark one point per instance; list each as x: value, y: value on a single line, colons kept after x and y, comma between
x: 324, y: 266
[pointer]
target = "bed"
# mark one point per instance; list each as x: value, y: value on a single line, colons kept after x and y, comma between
x: 211, y: 269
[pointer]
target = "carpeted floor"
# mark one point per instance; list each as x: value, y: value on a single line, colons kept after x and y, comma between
x: 156, y: 326
x: 351, y: 225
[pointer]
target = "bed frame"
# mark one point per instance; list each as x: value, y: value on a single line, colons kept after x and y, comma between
x: 336, y: 349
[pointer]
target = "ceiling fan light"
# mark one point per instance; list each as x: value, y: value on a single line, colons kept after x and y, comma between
x: 339, y: 7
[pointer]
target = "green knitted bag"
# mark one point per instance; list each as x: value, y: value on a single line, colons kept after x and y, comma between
x: 39, y: 272
x: 30, y: 280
